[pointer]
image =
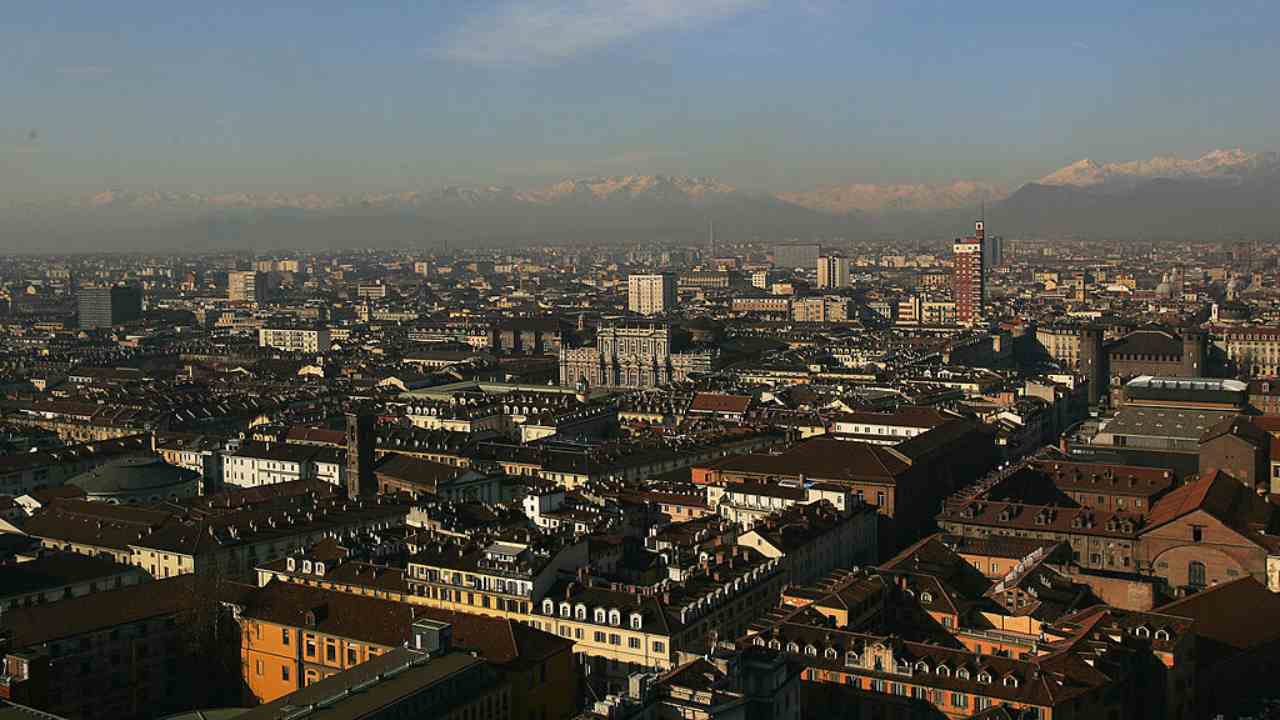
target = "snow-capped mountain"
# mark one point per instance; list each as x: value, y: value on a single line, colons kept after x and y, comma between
x: 594, y: 208
x: 1224, y: 191
x: 1229, y: 165
x: 649, y: 187
x: 657, y: 188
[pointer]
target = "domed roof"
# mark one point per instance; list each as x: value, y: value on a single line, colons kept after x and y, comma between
x: 132, y: 475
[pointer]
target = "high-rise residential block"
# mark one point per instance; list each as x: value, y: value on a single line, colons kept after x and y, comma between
x: 109, y: 306
x: 833, y: 272
x: 969, y: 277
x: 247, y: 287
x: 651, y: 294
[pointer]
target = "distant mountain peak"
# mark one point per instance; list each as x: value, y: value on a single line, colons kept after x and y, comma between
x: 1232, y: 163
x: 614, y: 187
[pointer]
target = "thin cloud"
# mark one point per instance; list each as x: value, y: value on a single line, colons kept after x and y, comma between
x: 642, y: 157
x: 532, y: 32
x: 86, y: 71
x: 624, y: 162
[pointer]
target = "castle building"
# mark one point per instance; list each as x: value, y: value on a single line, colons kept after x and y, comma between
x: 639, y: 355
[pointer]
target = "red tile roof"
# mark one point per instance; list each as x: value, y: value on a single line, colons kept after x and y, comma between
x: 1186, y: 499
x: 717, y: 403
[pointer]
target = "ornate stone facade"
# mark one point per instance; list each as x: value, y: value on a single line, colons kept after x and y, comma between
x: 633, y: 356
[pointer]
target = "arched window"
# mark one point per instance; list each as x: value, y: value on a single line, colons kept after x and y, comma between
x: 637, y: 620
x: 600, y: 616
x: 851, y: 658
x: 962, y: 674
x: 565, y: 610
x: 1162, y: 634
x: 580, y: 612
x: 793, y: 648
x: 944, y: 671
x: 1011, y: 681
x: 548, y: 607
x: 984, y: 678
x: 926, y: 598
x: 811, y: 651
x: 1141, y: 631
x: 1196, y: 575
x: 615, y: 617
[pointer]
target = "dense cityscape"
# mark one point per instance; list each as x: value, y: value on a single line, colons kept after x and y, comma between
x: 987, y: 478
x: 640, y: 360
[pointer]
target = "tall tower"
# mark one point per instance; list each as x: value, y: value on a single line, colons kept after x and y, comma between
x: 711, y: 237
x: 969, y: 277
x: 360, y: 440
x: 1195, y: 352
x: 1093, y: 363
x: 833, y: 272
x: 651, y: 294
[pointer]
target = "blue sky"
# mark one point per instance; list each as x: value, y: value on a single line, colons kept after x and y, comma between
x: 779, y: 95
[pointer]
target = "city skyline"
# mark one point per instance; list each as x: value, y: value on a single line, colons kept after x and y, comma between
x: 386, y: 98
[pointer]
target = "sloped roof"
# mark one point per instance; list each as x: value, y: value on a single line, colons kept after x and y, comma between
x: 1215, y: 491
x: 1240, y: 426
x: 1218, y: 611
x: 718, y: 403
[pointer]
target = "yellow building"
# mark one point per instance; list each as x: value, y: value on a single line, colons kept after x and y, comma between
x: 294, y: 636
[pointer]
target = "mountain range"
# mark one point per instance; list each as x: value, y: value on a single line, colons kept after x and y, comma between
x: 1223, y: 191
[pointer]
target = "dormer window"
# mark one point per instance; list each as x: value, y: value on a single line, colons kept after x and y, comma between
x: 1141, y: 631
x: 926, y: 597
x: 811, y: 651
x: 944, y: 671
x: 793, y: 647
x: 851, y: 658
x: 548, y: 607
x: 580, y: 612
x: 615, y: 618
x: 984, y: 678
x: 637, y: 621
x: 1011, y: 681
x: 600, y: 616
x: 759, y: 641
x: 922, y: 666
x: 775, y: 645
x: 831, y: 654
x: 566, y: 610
x: 962, y: 674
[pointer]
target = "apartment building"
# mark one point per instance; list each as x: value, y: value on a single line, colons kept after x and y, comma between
x: 312, y: 340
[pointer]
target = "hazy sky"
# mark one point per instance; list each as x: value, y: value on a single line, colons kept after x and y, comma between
x: 782, y: 94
